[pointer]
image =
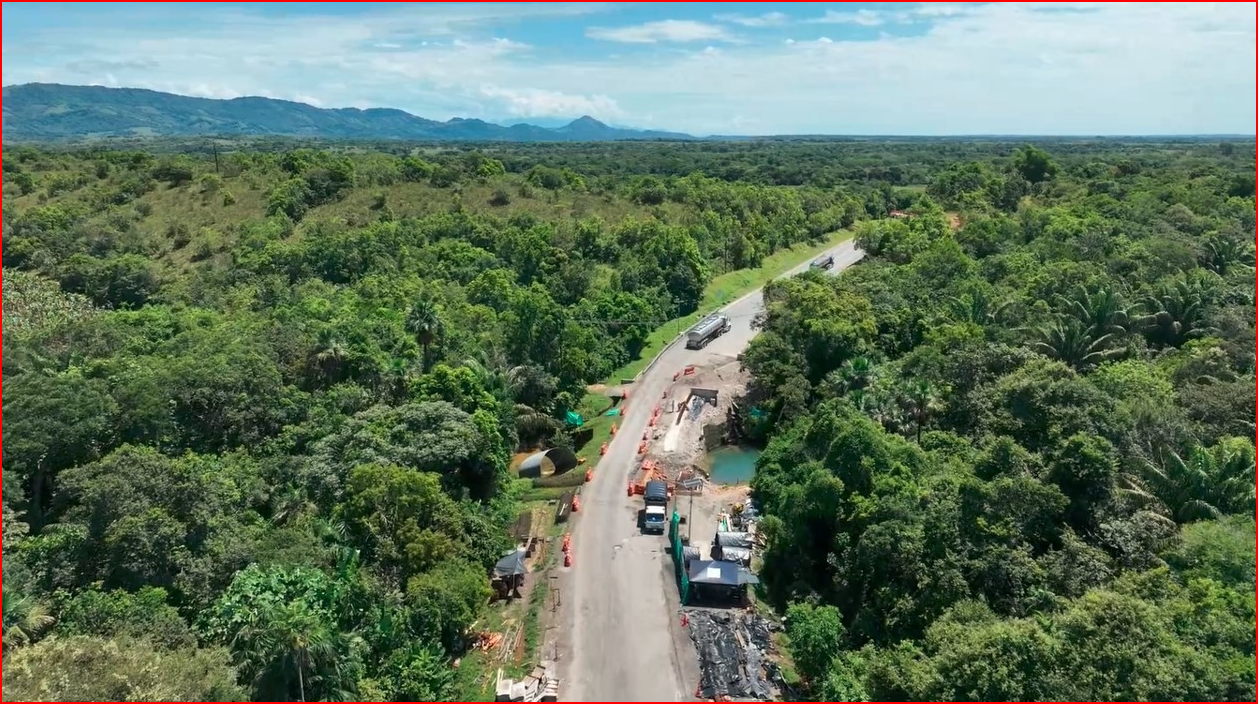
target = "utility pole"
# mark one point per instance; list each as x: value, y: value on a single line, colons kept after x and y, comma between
x: 690, y: 524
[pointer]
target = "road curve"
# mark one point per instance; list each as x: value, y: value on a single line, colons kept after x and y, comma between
x: 619, y: 596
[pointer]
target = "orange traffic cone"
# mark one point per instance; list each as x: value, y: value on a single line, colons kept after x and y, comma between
x: 567, y: 559
x: 641, y: 447
x: 576, y: 504
x: 589, y: 474
x: 567, y: 542
x: 652, y: 421
x: 613, y: 428
x: 602, y: 450
x: 629, y: 486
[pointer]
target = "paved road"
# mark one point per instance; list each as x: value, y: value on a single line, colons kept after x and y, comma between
x: 620, y: 595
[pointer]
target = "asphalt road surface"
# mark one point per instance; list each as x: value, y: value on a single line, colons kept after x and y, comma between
x: 620, y: 596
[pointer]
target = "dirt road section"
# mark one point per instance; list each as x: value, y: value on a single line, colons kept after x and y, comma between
x: 618, y: 634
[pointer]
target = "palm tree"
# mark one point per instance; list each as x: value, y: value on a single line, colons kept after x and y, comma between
x: 1073, y: 343
x: 1207, y: 484
x: 330, y: 355
x: 856, y: 374
x: 295, y: 642
x: 1176, y: 315
x: 979, y: 308
x: 1102, y: 312
x: 1221, y: 253
x: 920, y: 403
x: 24, y: 618
x: 396, y: 373
x: 424, y: 322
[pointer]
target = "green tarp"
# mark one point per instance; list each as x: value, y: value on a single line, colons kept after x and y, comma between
x: 757, y: 413
x: 613, y: 412
x: 574, y: 419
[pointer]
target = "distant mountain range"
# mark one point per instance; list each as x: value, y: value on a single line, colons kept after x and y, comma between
x: 54, y: 112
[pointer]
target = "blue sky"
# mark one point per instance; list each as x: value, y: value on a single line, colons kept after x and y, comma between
x: 704, y: 68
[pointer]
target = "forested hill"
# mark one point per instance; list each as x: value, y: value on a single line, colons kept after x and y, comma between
x: 52, y: 112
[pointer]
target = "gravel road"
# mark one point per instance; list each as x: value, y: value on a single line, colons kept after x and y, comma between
x: 619, y: 639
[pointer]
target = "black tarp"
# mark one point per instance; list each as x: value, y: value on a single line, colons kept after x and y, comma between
x: 733, y: 539
x: 734, y: 656
x: 510, y: 565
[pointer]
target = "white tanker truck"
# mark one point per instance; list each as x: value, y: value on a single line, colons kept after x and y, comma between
x: 707, y: 330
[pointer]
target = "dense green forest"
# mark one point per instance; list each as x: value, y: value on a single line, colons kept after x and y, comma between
x: 1012, y: 459
x: 261, y: 403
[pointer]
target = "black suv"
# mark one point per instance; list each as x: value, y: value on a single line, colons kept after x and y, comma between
x: 824, y: 262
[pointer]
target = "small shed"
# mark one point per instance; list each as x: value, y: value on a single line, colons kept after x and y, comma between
x: 508, y: 573
x: 720, y: 581
x: 560, y: 459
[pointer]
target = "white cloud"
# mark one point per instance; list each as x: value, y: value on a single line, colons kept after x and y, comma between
x: 940, y: 10
x: 865, y: 18
x: 535, y: 102
x: 768, y: 19
x: 661, y: 31
x: 995, y: 68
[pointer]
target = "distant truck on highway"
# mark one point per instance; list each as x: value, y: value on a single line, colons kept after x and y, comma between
x: 656, y: 497
x: 825, y: 261
x: 707, y: 330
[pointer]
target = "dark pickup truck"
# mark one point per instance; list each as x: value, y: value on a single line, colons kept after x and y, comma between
x: 825, y: 261
x: 656, y: 498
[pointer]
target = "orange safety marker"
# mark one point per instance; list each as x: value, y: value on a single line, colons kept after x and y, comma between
x: 630, y: 487
x: 567, y: 542
x: 641, y: 447
x: 567, y: 559
x: 602, y: 450
x: 652, y: 421
x: 589, y: 474
x: 613, y: 428
x: 576, y: 504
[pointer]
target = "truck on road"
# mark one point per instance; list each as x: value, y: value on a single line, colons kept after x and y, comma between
x: 656, y: 498
x: 707, y: 330
x: 825, y: 261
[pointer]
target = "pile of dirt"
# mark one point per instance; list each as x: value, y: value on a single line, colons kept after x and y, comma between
x: 735, y: 649
x: 679, y: 440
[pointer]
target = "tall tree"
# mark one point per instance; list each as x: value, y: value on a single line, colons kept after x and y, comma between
x: 424, y: 321
x: 921, y: 402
